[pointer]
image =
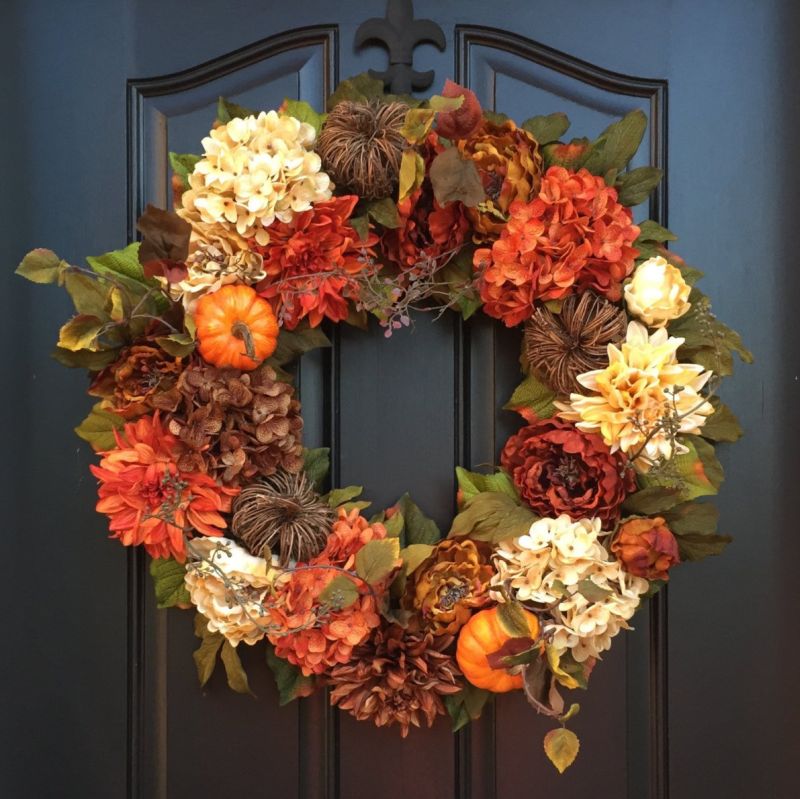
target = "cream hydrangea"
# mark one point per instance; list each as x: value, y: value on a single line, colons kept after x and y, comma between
x: 210, y: 268
x: 643, y: 399
x: 255, y: 170
x: 561, y: 565
x: 235, y: 610
x: 657, y: 292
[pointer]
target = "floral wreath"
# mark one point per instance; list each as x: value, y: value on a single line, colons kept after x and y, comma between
x: 385, y: 206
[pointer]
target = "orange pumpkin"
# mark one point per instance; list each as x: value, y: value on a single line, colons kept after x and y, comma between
x: 479, y: 637
x: 235, y: 328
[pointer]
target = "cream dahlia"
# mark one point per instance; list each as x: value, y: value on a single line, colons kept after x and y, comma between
x: 643, y: 399
x: 560, y: 565
x: 255, y: 170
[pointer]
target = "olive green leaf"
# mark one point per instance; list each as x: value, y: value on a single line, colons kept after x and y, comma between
x: 338, y: 496
x: 361, y: 226
x: 89, y: 295
x: 533, y: 395
x: 413, y: 555
x: 339, y: 593
x: 81, y: 333
x: 41, y: 266
x: 473, y: 483
x: 377, y: 559
x: 546, y: 129
x: 492, y: 516
x: 226, y: 111
x: 300, y: 109
x: 417, y: 124
x: 439, y: 103
x: 205, y: 656
x: 455, y: 178
x: 394, y: 525
x: 692, y: 517
x: 234, y: 671
x: 291, y: 682
x: 168, y: 582
x: 722, y: 425
x: 359, y: 88
x: 511, y: 616
x: 84, y: 359
x: 178, y: 345
x: 419, y: 529
x: 466, y: 706
x: 561, y: 747
x: 696, y: 546
x: 636, y: 186
x: 183, y: 165
x: 652, y: 231
x: 617, y: 144
x: 294, y: 343
x: 317, y: 464
x: 384, y: 212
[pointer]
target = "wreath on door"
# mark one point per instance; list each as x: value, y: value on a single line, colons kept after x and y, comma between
x: 385, y: 207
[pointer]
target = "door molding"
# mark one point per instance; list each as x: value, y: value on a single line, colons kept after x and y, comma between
x: 654, y: 92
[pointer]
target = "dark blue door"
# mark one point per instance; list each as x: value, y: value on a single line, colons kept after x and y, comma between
x: 100, y: 697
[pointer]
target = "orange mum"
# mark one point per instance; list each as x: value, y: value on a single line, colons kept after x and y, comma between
x: 312, y: 262
x: 149, y: 500
x: 315, y: 642
x: 573, y: 236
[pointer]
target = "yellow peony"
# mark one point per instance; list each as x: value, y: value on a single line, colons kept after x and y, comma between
x: 254, y: 170
x: 642, y: 399
x: 237, y: 609
x: 657, y: 292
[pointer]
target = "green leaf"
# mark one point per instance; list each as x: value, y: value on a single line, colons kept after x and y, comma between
x: 317, y: 464
x: 294, y: 343
x: 234, y: 671
x: 89, y: 295
x: 359, y: 88
x: 183, y: 165
x: 81, y: 333
x: 205, y: 657
x: 395, y: 525
x: 648, y: 501
x: 384, y: 212
x: 123, y: 262
x: 492, y: 516
x: 377, y: 559
x: 291, y: 682
x: 495, y: 117
x: 466, y: 705
x: 84, y: 359
x: 533, y: 395
x: 546, y: 129
x: 722, y: 425
x: 561, y: 747
x: 617, y: 144
x: 413, y: 555
x: 472, y: 483
x: 41, y: 266
x: 339, y: 593
x: 338, y: 496
x: 300, y: 109
x: 592, y: 591
x: 417, y: 124
x: 652, y: 231
x: 692, y: 517
x: 455, y: 179
x: 636, y: 186
x: 226, y: 111
x: 361, y: 226
x: 168, y: 582
x: 696, y: 546
x: 419, y: 529
x: 696, y: 473
x: 178, y: 345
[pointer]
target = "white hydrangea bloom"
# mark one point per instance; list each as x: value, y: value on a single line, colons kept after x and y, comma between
x: 255, y: 170
x: 561, y: 565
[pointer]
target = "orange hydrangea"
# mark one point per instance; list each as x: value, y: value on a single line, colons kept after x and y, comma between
x: 316, y: 642
x: 312, y: 263
x: 149, y: 500
x: 573, y: 236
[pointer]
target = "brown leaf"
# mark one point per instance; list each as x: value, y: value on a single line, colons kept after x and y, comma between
x: 455, y: 179
x: 541, y: 689
x: 165, y: 236
x: 513, y: 652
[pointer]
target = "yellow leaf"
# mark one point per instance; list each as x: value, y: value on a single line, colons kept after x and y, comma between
x: 412, y: 173
x: 413, y: 555
x: 417, y: 124
x: 561, y: 746
x: 117, y: 306
x: 80, y: 333
x: 439, y: 103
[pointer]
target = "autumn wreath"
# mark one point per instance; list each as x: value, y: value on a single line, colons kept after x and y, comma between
x: 387, y: 206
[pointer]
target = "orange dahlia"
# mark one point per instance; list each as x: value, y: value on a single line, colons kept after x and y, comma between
x: 149, y: 500
x: 316, y: 641
x: 573, y: 236
x: 312, y: 263
x: 428, y: 232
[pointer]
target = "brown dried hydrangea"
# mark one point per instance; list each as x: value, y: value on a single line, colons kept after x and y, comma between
x: 447, y: 587
x: 235, y: 425
x: 397, y: 677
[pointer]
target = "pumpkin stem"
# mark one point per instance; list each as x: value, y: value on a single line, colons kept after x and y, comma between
x: 242, y: 331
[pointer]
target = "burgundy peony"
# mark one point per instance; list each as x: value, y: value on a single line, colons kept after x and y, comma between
x: 646, y: 548
x: 559, y: 469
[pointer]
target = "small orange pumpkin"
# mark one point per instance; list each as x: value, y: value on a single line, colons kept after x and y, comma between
x: 235, y: 328
x: 479, y: 637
